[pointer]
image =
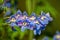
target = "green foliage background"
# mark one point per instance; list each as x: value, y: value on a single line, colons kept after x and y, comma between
x: 30, y: 6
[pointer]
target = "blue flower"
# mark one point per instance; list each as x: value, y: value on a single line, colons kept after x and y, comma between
x: 19, y: 12
x: 37, y: 29
x: 33, y: 14
x: 27, y: 20
x: 38, y: 26
x: 48, y: 17
x: 8, y: 5
x: 25, y: 13
x: 32, y: 25
x: 44, y: 22
x: 57, y: 36
x: 42, y: 13
x: 19, y: 22
x: 12, y: 18
x: 37, y: 32
x: 42, y: 28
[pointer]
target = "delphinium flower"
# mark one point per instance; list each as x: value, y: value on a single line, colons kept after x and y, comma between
x: 37, y: 24
x: 43, y: 22
x: 27, y: 21
x: 25, y: 18
x: 31, y: 25
x: 7, y: 3
x: 24, y: 26
x: 19, y: 23
x: 18, y: 14
x: 32, y: 18
x: 37, y: 28
x: 13, y: 22
x: 42, y: 19
x: 25, y: 15
x: 7, y: 7
x: 48, y: 17
x: 11, y: 19
x: 57, y: 36
x: 19, y: 18
x: 22, y: 22
x: 37, y: 31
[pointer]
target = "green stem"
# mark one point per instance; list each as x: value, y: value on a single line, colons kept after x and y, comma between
x: 33, y: 4
x: 31, y: 35
x: 28, y: 6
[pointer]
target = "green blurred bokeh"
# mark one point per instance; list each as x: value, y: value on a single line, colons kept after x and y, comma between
x: 30, y: 6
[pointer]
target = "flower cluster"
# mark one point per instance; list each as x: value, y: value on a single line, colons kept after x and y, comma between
x: 22, y: 20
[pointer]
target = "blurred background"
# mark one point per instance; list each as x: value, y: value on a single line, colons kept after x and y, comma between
x: 52, y: 6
